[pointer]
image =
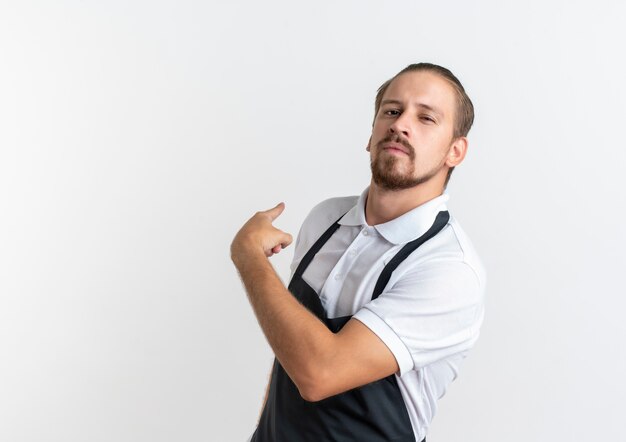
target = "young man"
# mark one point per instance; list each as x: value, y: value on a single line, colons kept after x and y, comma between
x: 386, y: 293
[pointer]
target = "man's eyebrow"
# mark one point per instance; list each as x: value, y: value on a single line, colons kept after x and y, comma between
x: 424, y: 105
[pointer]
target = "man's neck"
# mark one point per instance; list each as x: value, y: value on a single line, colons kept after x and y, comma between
x: 384, y: 205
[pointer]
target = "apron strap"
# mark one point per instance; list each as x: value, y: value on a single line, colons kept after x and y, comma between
x: 316, y: 247
x: 440, y: 221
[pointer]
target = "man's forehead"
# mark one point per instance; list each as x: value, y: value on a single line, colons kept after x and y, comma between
x: 422, y: 87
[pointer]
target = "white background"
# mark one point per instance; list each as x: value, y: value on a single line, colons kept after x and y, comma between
x: 137, y: 137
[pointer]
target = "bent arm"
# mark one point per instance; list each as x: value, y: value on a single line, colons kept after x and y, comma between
x: 320, y: 362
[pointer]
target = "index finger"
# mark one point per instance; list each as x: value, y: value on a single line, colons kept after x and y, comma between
x: 275, y: 211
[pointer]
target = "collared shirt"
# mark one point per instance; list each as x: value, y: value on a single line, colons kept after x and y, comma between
x: 431, y: 310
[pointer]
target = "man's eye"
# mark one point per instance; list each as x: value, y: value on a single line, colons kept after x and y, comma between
x: 427, y: 118
x: 392, y: 112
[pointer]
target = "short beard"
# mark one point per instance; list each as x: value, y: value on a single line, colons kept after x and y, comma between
x: 383, y: 169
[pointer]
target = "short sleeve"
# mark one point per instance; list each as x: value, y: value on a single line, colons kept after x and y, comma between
x: 428, y: 314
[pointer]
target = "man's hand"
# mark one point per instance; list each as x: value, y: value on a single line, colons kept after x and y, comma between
x: 258, y: 234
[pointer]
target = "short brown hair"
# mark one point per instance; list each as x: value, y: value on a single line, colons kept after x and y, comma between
x: 464, y: 117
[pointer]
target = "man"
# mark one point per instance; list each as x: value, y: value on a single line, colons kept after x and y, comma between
x: 386, y: 293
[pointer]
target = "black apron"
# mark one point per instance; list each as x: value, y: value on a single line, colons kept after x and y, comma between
x: 374, y: 412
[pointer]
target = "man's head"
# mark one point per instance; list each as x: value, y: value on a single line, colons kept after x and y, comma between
x: 424, y: 111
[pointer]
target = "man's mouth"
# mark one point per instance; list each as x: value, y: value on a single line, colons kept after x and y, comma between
x: 395, y: 148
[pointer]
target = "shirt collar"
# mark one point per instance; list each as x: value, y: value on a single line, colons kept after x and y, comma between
x: 404, y: 228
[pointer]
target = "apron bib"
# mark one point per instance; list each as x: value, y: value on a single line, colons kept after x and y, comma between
x: 374, y: 412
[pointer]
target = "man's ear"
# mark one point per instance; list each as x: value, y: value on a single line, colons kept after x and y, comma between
x: 457, y: 151
x: 368, y: 144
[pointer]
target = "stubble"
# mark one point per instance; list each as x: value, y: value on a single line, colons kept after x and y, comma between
x: 386, y: 168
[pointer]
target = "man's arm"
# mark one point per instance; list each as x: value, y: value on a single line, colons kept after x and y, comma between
x: 319, y: 362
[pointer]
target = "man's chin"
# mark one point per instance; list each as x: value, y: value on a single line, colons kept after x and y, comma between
x: 392, y: 183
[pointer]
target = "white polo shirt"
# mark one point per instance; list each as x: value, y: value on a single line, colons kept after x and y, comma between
x: 430, y: 313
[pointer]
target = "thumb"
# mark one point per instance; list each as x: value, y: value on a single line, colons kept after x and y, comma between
x: 275, y: 211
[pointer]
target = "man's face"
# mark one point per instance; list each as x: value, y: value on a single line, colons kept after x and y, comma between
x: 412, y: 131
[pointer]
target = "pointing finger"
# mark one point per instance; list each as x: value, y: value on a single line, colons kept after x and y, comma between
x: 275, y: 211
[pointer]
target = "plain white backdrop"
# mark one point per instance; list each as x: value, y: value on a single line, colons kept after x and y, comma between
x: 137, y: 137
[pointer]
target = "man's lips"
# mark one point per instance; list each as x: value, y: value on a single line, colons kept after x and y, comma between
x: 396, y: 147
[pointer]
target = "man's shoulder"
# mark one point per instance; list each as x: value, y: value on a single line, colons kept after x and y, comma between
x: 454, y: 245
x: 320, y: 218
x: 329, y: 210
x: 324, y: 214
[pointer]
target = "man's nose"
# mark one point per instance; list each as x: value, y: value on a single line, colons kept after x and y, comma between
x: 400, y: 126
